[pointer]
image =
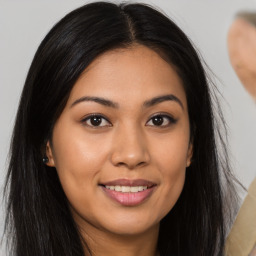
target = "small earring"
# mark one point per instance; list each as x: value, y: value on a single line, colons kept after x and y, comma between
x: 45, y: 159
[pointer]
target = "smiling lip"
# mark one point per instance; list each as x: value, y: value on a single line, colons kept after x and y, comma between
x: 129, y: 198
x: 126, y: 182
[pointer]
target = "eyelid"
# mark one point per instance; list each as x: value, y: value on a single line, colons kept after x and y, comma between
x: 87, y: 117
x: 171, y: 119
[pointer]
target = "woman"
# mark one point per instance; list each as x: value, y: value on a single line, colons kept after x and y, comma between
x: 114, y: 146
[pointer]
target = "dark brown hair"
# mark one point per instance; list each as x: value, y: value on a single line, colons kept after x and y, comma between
x: 39, y: 219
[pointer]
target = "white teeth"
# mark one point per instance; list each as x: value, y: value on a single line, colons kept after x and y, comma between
x: 127, y: 189
x: 118, y: 188
x: 134, y: 189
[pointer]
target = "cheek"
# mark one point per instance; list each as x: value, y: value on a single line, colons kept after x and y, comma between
x: 78, y: 161
x: 172, y: 152
x: 171, y: 163
x: 173, y: 183
x: 77, y: 152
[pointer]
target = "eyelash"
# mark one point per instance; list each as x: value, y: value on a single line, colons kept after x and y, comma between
x: 165, y: 118
x: 89, y: 118
x: 171, y: 120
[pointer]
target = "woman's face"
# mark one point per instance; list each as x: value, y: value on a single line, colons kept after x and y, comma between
x: 122, y: 142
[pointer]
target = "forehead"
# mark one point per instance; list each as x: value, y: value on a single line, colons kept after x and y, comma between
x: 135, y: 73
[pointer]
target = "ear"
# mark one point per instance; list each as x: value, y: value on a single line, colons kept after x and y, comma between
x: 189, y: 154
x: 49, y: 154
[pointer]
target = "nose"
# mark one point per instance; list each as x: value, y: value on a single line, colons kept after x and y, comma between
x: 130, y: 149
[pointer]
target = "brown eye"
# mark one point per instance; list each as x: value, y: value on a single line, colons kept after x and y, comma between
x: 161, y: 121
x: 157, y: 120
x: 96, y: 121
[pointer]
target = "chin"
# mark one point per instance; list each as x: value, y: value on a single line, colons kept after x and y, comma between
x: 131, y: 224
x: 132, y: 229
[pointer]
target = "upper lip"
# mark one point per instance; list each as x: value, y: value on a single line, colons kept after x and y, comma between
x: 131, y: 183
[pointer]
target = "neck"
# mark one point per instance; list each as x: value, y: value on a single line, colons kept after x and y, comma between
x: 108, y: 244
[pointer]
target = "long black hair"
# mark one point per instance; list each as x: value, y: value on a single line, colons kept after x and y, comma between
x: 38, y: 220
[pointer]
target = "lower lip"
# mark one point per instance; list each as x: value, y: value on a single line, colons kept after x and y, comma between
x: 129, y: 199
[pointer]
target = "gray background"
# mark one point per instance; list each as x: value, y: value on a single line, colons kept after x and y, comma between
x: 23, y: 24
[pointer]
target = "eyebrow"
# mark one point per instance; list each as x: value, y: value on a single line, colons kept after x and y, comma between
x: 159, y: 99
x: 148, y: 103
x: 99, y: 100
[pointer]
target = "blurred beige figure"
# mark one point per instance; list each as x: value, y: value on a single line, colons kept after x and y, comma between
x: 242, y: 52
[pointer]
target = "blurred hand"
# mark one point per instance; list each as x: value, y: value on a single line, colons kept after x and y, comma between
x: 242, y: 52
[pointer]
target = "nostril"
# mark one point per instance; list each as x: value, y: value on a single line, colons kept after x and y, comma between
x: 131, y: 165
x: 141, y: 163
x: 130, y: 156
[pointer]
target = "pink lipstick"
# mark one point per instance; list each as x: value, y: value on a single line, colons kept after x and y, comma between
x: 129, y: 192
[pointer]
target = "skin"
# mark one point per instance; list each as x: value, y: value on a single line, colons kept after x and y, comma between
x: 127, y: 146
x: 242, y: 53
